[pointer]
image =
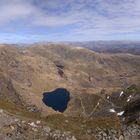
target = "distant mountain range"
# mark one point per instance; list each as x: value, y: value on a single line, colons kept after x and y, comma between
x: 132, y: 47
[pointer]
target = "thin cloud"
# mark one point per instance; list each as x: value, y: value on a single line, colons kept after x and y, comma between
x: 81, y: 17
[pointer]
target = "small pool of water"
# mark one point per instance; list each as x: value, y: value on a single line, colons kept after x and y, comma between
x: 57, y: 99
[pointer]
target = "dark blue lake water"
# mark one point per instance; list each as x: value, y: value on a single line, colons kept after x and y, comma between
x: 57, y: 99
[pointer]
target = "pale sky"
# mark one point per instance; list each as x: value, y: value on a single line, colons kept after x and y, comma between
x: 69, y: 20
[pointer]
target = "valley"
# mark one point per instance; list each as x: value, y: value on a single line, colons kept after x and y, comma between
x: 83, y: 94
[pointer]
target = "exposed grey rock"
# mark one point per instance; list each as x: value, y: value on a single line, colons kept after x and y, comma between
x: 121, y: 137
x: 1, y: 111
x: 89, y: 131
x: 47, y: 129
x: 131, y: 132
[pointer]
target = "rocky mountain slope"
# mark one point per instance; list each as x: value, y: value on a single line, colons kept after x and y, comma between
x: 99, y: 84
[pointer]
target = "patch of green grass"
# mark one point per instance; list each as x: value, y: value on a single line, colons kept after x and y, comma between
x: 64, y: 123
x: 18, y: 109
x: 74, y: 123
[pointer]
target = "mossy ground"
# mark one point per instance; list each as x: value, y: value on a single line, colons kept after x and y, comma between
x: 64, y: 123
